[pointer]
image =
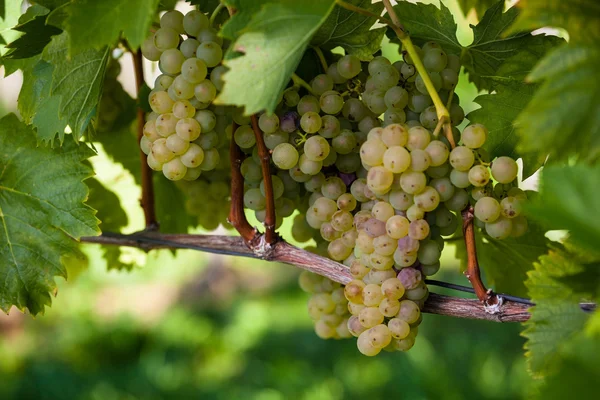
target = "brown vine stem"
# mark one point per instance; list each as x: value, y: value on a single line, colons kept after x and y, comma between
x: 237, y: 217
x: 265, y: 161
x: 147, y: 200
x: 286, y: 253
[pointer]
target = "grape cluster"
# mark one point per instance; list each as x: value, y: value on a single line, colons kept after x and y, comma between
x: 181, y: 133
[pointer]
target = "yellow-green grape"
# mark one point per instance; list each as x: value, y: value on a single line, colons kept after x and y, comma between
x: 174, y: 169
x: 487, y: 209
x: 413, y: 182
x: 392, y: 288
x: 160, y: 152
x: 254, y: 200
x: 372, y: 295
x: 324, y: 330
x: 419, y: 293
x: 153, y: 164
x: 379, y: 276
x: 346, y: 202
x: 389, y: 307
x: 396, y: 159
x: 400, y: 200
x: 370, y: 316
x: 316, y: 148
x: 177, y: 145
x: 462, y: 158
x: 479, y: 176
x: 379, y: 336
x: 342, y: 221
x: 166, y: 124
x: 474, y: 136
x: 188, y: 129
x: 418, y: 138
x: 399, y: 329
x: 353, y: 291
x: 409, y: 311
x: 358, y: 269
x: 183, y: 109
x: 385, y: 245
x: 380, y: 179
x: 324, y: 208
x: 205, y: 91
x: 380, y: 262
x: 504, y: 169
x: 371, y: 152
x: 418, y: 229
x: 365, y: 346
x: 438, y: 153
x: 338, y: 251
x: 150, y: 131
x: 285, y: 156
x: 354, y: 326
x: 428, y: 199
x: 349, y: 237
x: 501, y: 228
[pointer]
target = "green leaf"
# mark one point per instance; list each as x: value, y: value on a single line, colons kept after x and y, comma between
x: 36, y: 36
x: 76, y: 85
x: 579, y: 18
x: 272, y: 45
x: 171, y: 219
x: 95, y: 24
x: 113, y: 218
x: 556, y: 317
x: 491, y: 46
x: 586, y: 281
x: 41, y: 210
x: 563, y: 118
x: 480, y: 6
x: 569, y: 200
x: 506, y: 262
x: 351, y: 30
x: 426, y: 22
x: 245, y: 10
x: 12, y: 11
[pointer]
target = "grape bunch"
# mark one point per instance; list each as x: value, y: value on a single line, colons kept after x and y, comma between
x: 181, y: 133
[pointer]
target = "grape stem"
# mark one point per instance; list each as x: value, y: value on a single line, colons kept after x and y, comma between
x: 216, y: 12
x: 265, y: 163
x: 237, y: 217
x: 283, y: 252
x: 321, y: 57
x: 147, y: 199
x: 301, y: 82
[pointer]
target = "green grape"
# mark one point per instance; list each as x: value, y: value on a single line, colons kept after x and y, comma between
x: 251, y: 171
x: 285, y: 156
x: 165, y: 39
x: 461, y: 158
x: 331, y: 102
x: 487, y: 209
x: 386, y: 77
x: 172, y: 19
x: 296, y: 174
x: 192, y: 174
x: 429, y: 252
x: 480, y: 192
x: 328, y: 232
x: 413, y: 182
x: 479, y: 175
x: 321, y: 84
x: 397, y: 159
x: 444, y: 187
x: 435, y: 60
x: 357, y: 189
x: 419, y: 160
x: 418, y: 229
x: 254, y: 200
x: 333, y: 187
x: 460, y: 179
x: 436, y: 79
x: 449, y: 79
x: 438, y: 153
x: 291, y: 98
x: 194, y: 22
x: 174, y: 170
x: 399, y: 329
x: 394, y: 116
x: 394, y: 135
x: 519, y: 226
x: 439, y: 171
x: 211, y: 160
x: 210, y: 52
x: 457, y: 114
x: 209, y: 35
x: 308, y: 166
x: 331, y: 159
x: 370, y: 317
x: 216, y: 76
x: 408, y: 72
x: 207, y: 120
x: 188, y: 129
x: 277, y: 185
x: 443, y: 217
x: 308, y: 103
x: 453, y: 63
x: 365, y: 346
x: 182, y: 88
x: 396, y: 97
x: 150, y: 132
x: 380, y: 179
x: 372, y: 151
x: 400, y: 200
x: 166, y: 124
x: 348, y: 66
x: 205, y: 91
x: 428, y: 118
x: 188, y: 47
x: 150, y: 51
x: 193, y: 156
x: 145, y: 145
x: 177, y: 145
x: 310, y: 122
x: 474, y: 136
x: 377, y: 64
x: 419, y: 102
x: 171, y: 61
x: 183, y: 109
x: 504, y: 169
x: 383, y: 211
x: 316, y: 148
x: 354, y: 110
x: 428, y: 199
x: 418, y: 138
x: 314, y: 184
x: 397, y: 226
x: 338, y: 251
x: 511, y: 207
x: 500, y: 228
x: 268, y: 123
x: 330, y: 127
x: 458, y: 201
x: 160, y: 102
x: 375, y: 101
x: 418, y: 294
x: 162, y: 82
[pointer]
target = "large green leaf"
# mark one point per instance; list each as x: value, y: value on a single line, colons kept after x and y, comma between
x: 113, y: 218
x: 36, y: 35
x: 12, y: 11
x: 556, y: 317
x: 271, y: 45
x: 426, y: 22
x: 578, y: 17
x: 563, y: 118
x: 480, y: 6
x: 351, y: 30
x: 506, y: 263
x: 76, y: 85
x: 569, y: 200
x: 244, y: 11
x: 41, y: 211
x: 95, y: 24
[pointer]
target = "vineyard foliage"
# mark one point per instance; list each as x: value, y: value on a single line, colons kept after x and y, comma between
x: 539, y: 98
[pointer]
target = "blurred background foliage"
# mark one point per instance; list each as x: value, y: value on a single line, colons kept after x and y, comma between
x: 201, y: 326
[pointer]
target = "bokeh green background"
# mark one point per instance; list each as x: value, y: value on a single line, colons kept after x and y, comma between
x: 200, y: 326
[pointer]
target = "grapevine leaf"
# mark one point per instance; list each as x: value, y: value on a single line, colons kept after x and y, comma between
x: 76, y: 84
x: 41, y: 210
x: 37, y: 78
x: 556, y: 317
x: 36, y: 36
x: 426, y: 22
x: 563, y: 118
x: 480, y: 6
x: 272, y: 45
x: 167, y: 192
x: 586, y: 282
x: 245, y: 10
x: 491, y: 46
x: 95, y: 24
x: 579, y: 18
x: 113, y: 218
x: 569, y: 200
x: 351, y: 30
x: 12, y: 11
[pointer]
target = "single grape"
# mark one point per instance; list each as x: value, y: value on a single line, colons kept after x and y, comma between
x: 500, y: 228
x: 160, y: 102
x: 413, y: 182
x: 205, y: 91
x: 479, y: 175
x: 380, y: 179
x: 165, y: 39
x: 487, y: 209
x: 188, y: 129
x: 428, y: 199
x: 462, y: 158
x: 435, y: 60
x: 210, y: 52
x: 474, y: 136
x: 310, y: 122
x: 194, y: 22
x: 348, y: 66
x: 511, y: 207
x: 285, y: 156
x: 372, y: 151
x: 171, y: 61
x: 504, y: 169
x: 150, y: 51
